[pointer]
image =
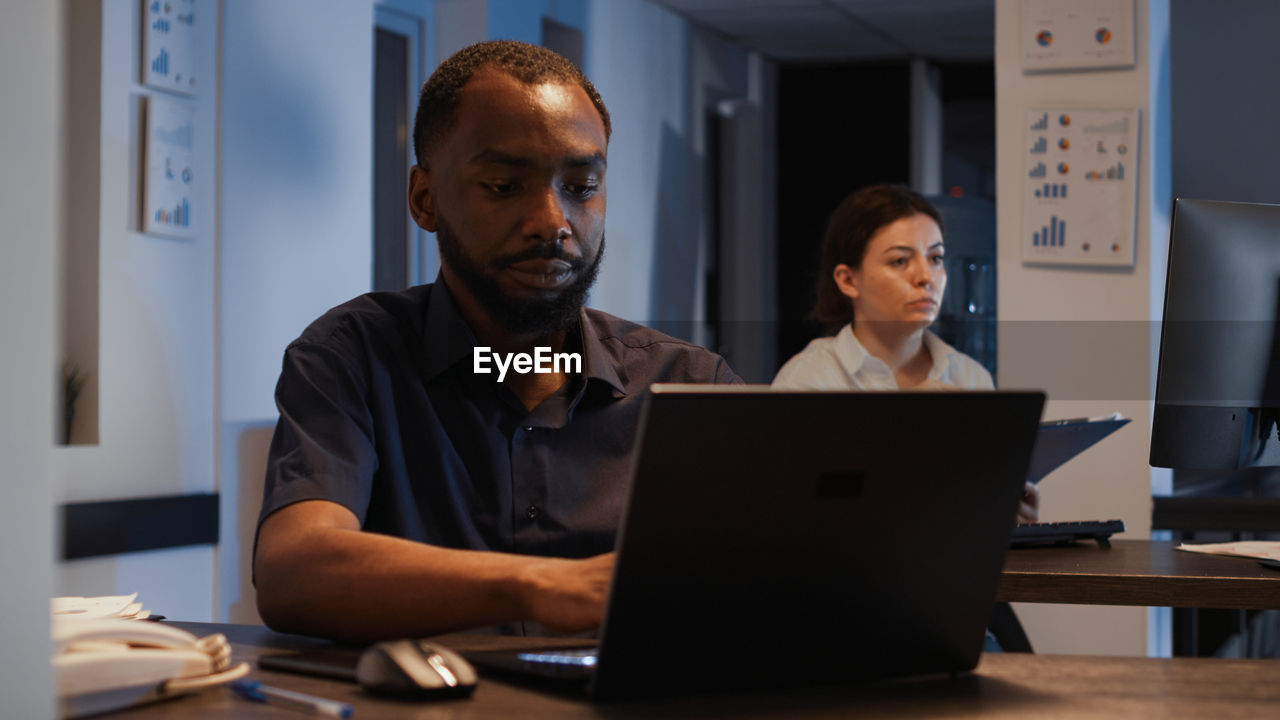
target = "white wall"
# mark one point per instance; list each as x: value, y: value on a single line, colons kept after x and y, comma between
x: 31, y: 184
x: 1100, y: 351
x: 659, y: 77
x: 637, y: 57
x: 296, y: 224
x: 155, y: 346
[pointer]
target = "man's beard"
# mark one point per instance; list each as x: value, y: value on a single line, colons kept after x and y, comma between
x: 521, y: 316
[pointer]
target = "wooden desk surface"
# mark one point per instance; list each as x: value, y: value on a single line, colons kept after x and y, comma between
x: 1136, y: 572
x: 1004, y: 686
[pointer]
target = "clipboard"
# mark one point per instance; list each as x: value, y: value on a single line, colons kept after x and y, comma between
x: 1060, y: 440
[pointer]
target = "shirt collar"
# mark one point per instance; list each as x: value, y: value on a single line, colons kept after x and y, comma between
x: 448, y: 340
x: 597, y: 364
x: 941, y: 353
x: 853, y: 356
x: 849, y: 350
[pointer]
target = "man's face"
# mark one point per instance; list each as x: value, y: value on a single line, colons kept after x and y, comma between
x: 516, y: 195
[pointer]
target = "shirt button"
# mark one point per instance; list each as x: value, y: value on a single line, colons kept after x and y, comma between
x: 532, y: 512
x: 528, y: 428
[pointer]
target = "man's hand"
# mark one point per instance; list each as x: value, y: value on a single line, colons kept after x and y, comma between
x: 568, y: 596
x: 1029, y: 507
x: 319, y: 574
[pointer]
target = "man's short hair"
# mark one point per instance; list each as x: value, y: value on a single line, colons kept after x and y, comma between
x: 441, y: 93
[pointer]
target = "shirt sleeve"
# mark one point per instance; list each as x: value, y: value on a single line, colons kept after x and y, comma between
x: 812, y: 369
x: 725, y: 374
x: 323, y: 446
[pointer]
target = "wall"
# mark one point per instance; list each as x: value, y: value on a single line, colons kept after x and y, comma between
x: 1222, y: 57
x: 296, y: 222
x: 660, y: 78
x: 155, y: 349
x: 31, y: 181
x: 1084, y: 334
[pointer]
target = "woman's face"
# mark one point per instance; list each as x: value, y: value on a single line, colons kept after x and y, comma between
x: 902, y: 275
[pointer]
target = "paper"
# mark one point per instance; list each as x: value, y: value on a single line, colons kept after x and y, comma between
x: 1258, y: 549
x: 88, y: 608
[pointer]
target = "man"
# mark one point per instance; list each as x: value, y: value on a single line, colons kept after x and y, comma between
x: 416, y: 484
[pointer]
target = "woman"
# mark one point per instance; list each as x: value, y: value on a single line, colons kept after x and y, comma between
x: 879, y: 289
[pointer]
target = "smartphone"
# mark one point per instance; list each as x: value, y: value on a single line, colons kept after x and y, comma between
x: 337, y: 663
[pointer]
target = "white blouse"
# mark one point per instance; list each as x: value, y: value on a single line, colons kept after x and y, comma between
x: 840, y: 362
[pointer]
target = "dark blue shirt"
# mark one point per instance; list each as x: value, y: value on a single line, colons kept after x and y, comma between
x: 381, y: 412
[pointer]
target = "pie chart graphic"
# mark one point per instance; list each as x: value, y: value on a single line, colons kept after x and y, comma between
x: 1103, y: 36
x: 1044, y: 38
x: 1064, y: 119
x: 1063, y: 168
x: 1064, y: 144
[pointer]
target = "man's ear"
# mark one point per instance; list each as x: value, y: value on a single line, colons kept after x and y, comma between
x: 422, y: 199
x: 847, y: 280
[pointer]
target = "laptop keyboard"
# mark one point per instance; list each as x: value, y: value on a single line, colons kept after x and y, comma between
x: 1064, y: 532
x: 567, y: 663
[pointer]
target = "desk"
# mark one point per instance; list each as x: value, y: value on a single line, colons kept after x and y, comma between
x: 1137, y: 572
x: 1004, y: 686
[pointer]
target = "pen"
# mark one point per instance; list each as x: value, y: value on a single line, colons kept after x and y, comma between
x: 257, y: 692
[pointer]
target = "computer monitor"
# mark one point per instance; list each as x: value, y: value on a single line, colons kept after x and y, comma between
x: 1218, y: 388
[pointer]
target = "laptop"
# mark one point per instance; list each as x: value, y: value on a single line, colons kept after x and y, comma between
x: 791, y: 538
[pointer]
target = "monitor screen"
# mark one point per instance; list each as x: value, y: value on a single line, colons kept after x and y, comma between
x: 1218, y: 387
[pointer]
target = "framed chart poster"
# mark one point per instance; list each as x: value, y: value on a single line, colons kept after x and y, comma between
x: 169, y: 45
x: 170, y: 173
x: 1080, y: 186
x: 1077, y: 34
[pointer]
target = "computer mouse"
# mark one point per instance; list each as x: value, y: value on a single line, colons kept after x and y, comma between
x: 414, y: 669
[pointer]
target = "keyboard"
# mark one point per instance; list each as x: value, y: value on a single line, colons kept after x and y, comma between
x: 1065, y: 532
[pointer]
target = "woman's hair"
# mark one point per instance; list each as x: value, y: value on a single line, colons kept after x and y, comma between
x: 849, y: 230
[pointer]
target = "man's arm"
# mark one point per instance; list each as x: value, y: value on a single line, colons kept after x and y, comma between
x: 319, y: 574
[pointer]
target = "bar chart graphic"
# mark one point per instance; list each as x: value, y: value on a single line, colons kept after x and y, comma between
x: 160, y: 65
x: 1052, y: 235
x: 178, y: 217
x: 1078, y: 176
x: 1052, y: 190
x: 1115, y: 172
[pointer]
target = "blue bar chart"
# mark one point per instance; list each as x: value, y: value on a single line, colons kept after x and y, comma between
x: 1115, y: 172
x: 160, y: 65
x: 1052, y: 235
x: 1052, y: 190
x: 179, y: 216
x: 1041, y: 146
